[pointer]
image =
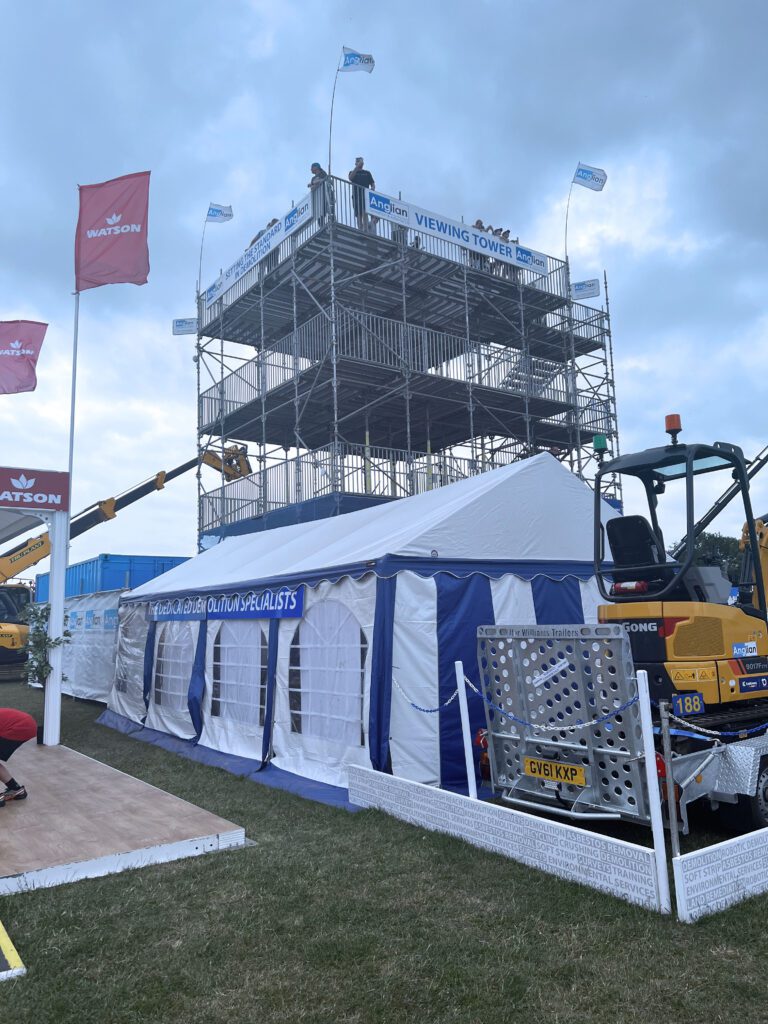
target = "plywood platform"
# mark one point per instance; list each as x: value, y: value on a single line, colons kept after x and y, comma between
x: 83, y: 819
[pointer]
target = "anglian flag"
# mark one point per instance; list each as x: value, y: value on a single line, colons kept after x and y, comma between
x: 590, y: 177
x: 355, y: 61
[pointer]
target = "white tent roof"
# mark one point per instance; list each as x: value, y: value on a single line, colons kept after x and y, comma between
x: 533, y: 510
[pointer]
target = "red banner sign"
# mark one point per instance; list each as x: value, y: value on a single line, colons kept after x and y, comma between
x: 20, y: 342
x: 29, y: 490
x: 111, y: 239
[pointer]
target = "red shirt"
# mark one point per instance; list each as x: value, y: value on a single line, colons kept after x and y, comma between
x: 16, y: 725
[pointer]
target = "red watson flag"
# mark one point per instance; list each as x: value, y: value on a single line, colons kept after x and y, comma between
x: 20, y: 344
x: 111, y: 239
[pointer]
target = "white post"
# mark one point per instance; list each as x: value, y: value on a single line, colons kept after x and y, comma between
x: 75, y: 334
x: 466, y: 735
x: 654, y: 797
x: 59, y: 534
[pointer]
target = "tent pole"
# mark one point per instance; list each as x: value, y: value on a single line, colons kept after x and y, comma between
x: 466, y: 734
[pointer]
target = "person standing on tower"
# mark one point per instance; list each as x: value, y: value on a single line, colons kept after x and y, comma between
x: 361, y: 180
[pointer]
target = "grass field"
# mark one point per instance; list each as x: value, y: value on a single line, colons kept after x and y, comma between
x: 334, y: 918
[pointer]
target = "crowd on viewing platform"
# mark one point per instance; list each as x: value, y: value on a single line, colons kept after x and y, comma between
x: 321, y: 189
x: 357, y: 203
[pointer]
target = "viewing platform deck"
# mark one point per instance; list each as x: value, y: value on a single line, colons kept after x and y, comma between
x: 257, y: 294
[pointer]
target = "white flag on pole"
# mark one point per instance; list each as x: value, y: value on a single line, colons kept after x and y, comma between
x: 219, y: 213
x: 586, y: 289
x: 354, y: 61
x: 590, y: 177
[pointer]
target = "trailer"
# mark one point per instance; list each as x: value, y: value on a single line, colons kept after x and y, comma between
x: 564, y: 734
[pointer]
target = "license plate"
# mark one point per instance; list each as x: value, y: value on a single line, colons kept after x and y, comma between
x: 688, y: 704
x: 554, y: 771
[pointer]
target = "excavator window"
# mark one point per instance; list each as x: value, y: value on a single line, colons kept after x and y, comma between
x: 8, y: 610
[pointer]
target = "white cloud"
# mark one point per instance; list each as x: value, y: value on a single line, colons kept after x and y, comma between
x: 634, y: 212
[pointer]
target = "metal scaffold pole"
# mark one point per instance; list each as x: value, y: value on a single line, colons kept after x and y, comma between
x: 296, y: 412
x: 263, y: 381
x: 575, y: 416
x: 468, y: 369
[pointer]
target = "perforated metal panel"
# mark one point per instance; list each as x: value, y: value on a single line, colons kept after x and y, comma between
x: 557, y: 680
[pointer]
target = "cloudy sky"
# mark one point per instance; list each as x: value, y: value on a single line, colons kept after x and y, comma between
x: 475, y: 108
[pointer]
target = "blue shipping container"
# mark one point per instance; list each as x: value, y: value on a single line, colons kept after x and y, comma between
x: 109, y: 572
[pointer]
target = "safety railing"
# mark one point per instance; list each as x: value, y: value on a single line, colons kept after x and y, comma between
x: 341, y: 469
x: 381, y: 341
x: 335, y: 202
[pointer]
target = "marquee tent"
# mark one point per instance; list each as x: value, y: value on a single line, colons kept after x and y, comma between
x: 331, y: 643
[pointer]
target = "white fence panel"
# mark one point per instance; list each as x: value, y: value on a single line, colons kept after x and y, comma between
x: 609, y: 865
x: 716, y: 877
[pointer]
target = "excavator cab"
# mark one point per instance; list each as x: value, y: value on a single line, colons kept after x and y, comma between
x: 681, y: 627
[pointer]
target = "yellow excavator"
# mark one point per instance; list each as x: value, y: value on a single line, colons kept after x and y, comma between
x: 710, y: 657
x: 232, y: 463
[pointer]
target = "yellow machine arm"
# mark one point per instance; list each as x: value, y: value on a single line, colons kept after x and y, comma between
x: 755, y: 561
x: 233, y: 465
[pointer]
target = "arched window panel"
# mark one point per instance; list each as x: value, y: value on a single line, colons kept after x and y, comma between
x: 173, y: 664
x: 239, y: 672
x: 326, y: 675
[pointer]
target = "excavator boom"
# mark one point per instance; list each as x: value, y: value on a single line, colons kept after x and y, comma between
x: 232, y: 463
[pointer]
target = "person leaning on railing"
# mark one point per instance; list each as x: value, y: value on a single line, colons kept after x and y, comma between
x: 361, y: 180
x: 318, y: 184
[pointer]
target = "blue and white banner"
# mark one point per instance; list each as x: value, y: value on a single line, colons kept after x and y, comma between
x: 270, y: 240
x: 271, y: 603
x: 185, y: 325
x: 586, y: 289
x: 219, y: 213
x: 407, y: 215
x: 277, y: 603
x: 354, y: 61
x: 175, y: 609
x: 590, y: 177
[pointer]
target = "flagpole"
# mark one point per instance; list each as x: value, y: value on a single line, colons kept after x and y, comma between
x: 567, y: 211
x: 74, y: 387
x: 330, y: 123
x: 200, y: 267
x: 58, y: 532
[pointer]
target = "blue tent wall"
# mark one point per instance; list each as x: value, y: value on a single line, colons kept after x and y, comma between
x: 462, y: 606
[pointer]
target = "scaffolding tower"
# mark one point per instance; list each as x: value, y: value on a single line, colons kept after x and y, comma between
x: 362, y: 360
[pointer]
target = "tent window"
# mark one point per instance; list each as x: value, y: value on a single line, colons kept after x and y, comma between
x: 239, y: 672
x: 326, y: 675
x: 294, y: 682
x: 173, y: 665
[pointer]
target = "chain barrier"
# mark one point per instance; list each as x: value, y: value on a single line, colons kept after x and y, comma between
x: 741, y: 733
x: 513, y: 718
x: 426, y: 711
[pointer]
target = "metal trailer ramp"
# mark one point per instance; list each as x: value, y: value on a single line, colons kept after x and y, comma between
x: 564, y: 728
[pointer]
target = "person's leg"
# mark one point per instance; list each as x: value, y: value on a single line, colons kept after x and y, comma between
x: 13, y: 790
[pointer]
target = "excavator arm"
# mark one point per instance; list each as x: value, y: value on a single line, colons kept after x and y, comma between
x: 232, y: 463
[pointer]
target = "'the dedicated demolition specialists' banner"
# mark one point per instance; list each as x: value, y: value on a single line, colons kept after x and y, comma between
x: 272, y: 603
